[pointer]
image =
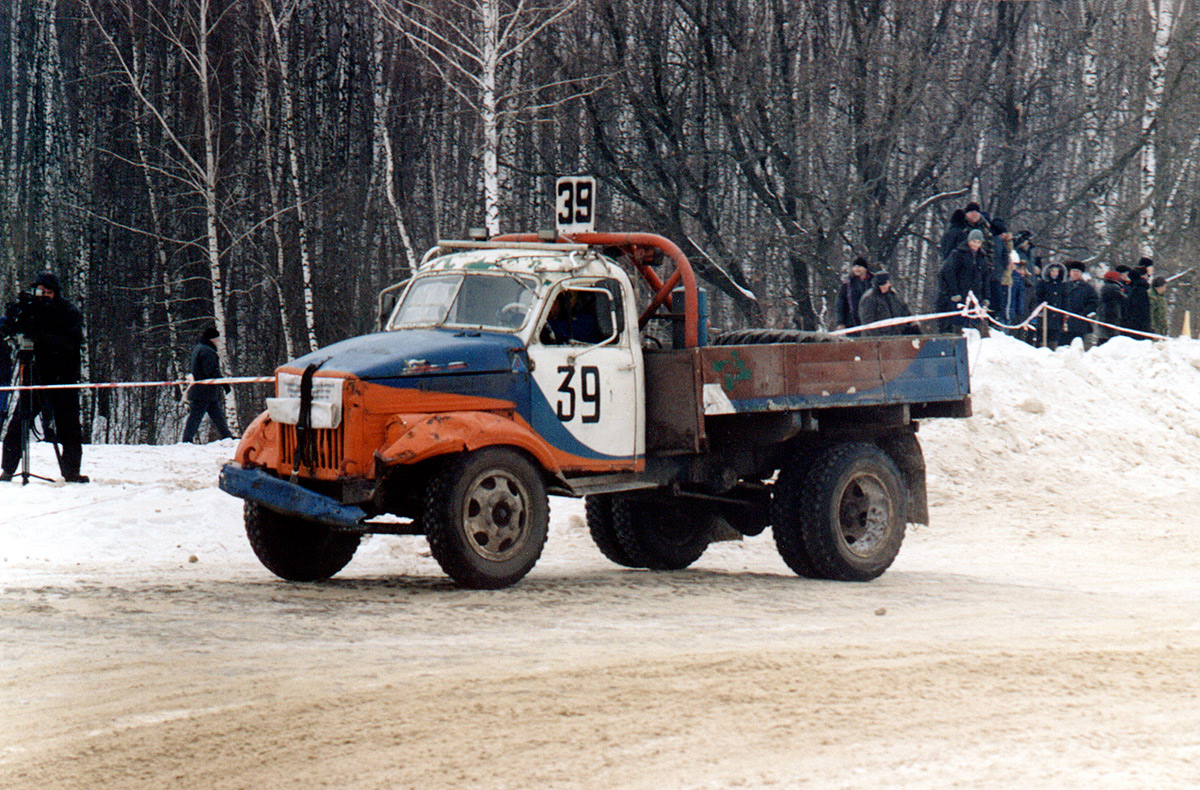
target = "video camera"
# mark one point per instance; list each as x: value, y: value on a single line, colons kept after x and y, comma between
x: 22, y: 316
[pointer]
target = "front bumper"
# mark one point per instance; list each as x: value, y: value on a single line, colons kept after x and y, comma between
x: 255, y: 485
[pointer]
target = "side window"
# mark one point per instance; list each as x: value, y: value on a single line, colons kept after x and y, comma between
x: 579, y: 316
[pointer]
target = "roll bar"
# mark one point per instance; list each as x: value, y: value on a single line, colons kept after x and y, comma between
x: 640, y: 249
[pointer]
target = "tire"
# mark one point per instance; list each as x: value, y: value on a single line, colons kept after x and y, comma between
x: 661, y: 536
x: 486, y: 517
x: 787, y: 497
x: 600, y: 524
x: 297, y: 549
x: 845, y: 519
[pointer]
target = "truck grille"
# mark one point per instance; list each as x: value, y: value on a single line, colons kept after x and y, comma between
x: 327, y: 448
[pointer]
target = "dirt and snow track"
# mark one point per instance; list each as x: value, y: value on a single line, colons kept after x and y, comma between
x: 1043, y: 632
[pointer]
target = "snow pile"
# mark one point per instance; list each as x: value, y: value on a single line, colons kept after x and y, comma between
x: 1124, y: 416
x: 1127, y: 411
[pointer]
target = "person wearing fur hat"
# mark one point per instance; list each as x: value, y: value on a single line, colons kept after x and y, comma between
x: 1052, y: 289
x: 206, y: 398
x: 1081, y: 300
x: 1137, y: 306
x: 851, y: 292
x: 882, y: 302
x: 1112, y: 306
x: 57, y: 343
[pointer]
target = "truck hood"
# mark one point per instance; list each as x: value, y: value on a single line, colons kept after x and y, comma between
x: 415, y: 352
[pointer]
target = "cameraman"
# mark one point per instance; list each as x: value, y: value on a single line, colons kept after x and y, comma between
x: 56, y: 328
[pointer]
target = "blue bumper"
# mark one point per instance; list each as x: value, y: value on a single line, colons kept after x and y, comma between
x: 256, y: 485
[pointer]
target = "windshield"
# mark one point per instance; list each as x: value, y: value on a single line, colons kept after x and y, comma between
x: 476, y: 300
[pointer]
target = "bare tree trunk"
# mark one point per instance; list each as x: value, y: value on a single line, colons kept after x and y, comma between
x: 1162, y: 14
x: 383, y: 141
x: 288, y: 121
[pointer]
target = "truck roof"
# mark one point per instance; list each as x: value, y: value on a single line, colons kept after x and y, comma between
x: 517, y: 258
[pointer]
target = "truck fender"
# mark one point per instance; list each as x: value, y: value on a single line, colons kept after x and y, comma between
x: 419, y: 437
x: 260, y: 443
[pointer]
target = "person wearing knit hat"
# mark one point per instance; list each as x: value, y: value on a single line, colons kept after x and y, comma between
x: 882, y: 302
x: 966, y: 271
x: 57, y: 338
x: 206, y: 398
x: 1112, y: 305
x: 851, y: 291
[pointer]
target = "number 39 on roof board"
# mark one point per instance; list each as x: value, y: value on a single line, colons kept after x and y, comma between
x: 575, y: 204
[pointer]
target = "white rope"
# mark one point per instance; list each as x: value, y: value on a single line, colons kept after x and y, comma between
x: 181, y: 382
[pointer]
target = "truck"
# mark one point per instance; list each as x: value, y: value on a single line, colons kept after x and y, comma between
x: 522, y: 366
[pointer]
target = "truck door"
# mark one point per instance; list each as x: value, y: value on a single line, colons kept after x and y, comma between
x: 587, y: 399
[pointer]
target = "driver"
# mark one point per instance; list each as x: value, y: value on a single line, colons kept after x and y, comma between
x: 566, y: 321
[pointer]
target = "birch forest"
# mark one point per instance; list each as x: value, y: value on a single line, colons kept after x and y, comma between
x: 269, y: 165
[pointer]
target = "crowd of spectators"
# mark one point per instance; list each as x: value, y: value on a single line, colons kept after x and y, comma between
x: 1010, y: 280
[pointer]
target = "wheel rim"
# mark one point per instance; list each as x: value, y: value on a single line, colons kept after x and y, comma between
x: 864, y: 515
x: 496, y: 515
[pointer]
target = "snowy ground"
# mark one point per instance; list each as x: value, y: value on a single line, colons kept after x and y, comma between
x: 1041, y: 632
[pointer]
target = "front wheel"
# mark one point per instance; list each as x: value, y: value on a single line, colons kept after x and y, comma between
x: 297, y: 549
x: 844, y: 519
x: 486, y: 517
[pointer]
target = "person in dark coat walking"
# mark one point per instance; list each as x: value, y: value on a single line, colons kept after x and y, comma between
x: 851, y: 293
x: 57, y: 341
x: 967, y: 270
x: 1137, y: 306
x: 1081, y: 300
x: 206, y: 398
x: 1112, y: 306
x: 882, y: 302
x: 1052, y: 289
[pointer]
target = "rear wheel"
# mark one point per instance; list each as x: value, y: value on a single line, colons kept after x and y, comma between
x: 486, y: 517
x: 844, y: 519
x: 297, y: 549
x: 659, y: 533
x: 604, y: 534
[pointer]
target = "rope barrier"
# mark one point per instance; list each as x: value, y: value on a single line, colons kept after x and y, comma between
x: 87, y: 385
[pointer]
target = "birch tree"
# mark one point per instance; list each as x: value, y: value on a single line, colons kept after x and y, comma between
x: 470, y: 45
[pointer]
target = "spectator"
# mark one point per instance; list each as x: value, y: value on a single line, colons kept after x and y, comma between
x: 1052, y: 289
x: 1148, y: 265
x: 57, y: 341
x: 1158, y: 306
x: 1112, y: 306
x: 1137, y: 305
x: 206, y: 398
x: 961, y: 224
x: 967, y: 270
x: 1021, y: 294
x: 6, y: 372
x: 1081, y: 300
x: 851, y: 293
x: 880, y: 303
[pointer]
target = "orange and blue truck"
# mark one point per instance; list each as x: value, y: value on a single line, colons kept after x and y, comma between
x: 579, y: 365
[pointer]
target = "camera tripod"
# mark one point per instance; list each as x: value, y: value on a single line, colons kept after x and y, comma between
x: 24, y: 411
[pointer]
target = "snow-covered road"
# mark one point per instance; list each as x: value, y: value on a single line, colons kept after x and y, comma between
x: 1041, y: 632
